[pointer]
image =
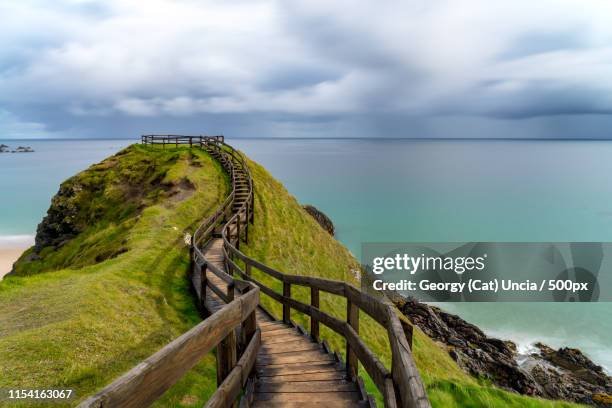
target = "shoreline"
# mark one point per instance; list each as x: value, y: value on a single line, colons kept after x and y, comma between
x: 7, y: 257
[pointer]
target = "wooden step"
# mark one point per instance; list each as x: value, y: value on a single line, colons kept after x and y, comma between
x: 303, y: 404
x: 320, y: 376
x: 294, y: 358
x: 303, y: 368
x: 279, y: 331
x: 271, y: 323
x: 281, y: 348
x: 282, y: 338
x: 317, y: 386
x: 313, y: 396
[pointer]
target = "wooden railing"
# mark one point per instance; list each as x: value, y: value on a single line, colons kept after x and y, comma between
x: 178, y: 139
x: 232, y: 330
x: 146, y: 382
x: 400, y: 387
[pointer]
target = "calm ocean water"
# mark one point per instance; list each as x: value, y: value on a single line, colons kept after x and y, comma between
x: 406, y: 190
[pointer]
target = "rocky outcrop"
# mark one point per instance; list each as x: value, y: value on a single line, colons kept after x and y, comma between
x: 324, y: 221
x: 568, y: 374
x: 565, y: 374
x: 60, y: 223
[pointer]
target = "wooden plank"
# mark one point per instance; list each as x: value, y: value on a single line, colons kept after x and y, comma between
x: 308, y: 377
x: 304, y: 404
x: 314, y: 323
x: 289, y: 342
x: 306, y: 396
x: 305, y: 368
x: 294, y: 359
x: 279, y: 332
x: 319, y: 386
x: 352, y: 319
x: 284, y: 338
x: 281, y: 348
x: 267, y: 324
x: 276, y: 327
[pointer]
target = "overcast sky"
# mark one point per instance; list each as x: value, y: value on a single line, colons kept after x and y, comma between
x: 480, y: 68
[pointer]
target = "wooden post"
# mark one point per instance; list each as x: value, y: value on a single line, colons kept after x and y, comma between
x: 252, y: 199
x: 407, y: 332
x: 314, y: 323
x: 230, y: 291
x: 352, y: 317
x: 238, y: 231
x: 203, y: 285
x: 249, y: 325
x: 246, y: 224
x: 247, y: 268
x: 190, y: 142
x: 226, y: 357
x: 227, y: 350
x: 286, y: 307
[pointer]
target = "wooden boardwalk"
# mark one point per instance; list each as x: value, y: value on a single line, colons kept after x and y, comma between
x: 292, y: 370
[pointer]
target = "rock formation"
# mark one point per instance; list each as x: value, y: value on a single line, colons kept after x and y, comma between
x: 324, y: 221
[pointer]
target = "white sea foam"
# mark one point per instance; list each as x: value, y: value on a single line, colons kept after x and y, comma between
x: 16, y: 241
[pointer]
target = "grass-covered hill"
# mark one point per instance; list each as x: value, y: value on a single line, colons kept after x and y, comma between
x: 106, y: 286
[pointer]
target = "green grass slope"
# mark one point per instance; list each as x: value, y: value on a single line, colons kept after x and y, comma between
x: 88, y: 319
x: 286, y: 238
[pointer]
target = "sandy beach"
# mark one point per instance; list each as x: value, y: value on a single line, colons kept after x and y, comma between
x: 7, y: 257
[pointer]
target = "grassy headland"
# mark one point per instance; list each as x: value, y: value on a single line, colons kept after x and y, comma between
x: 117, y: 291
x: 88, y: 318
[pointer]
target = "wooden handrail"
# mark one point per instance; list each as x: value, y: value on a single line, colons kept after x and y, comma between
x: 403, y: 386
x: 146, y: 382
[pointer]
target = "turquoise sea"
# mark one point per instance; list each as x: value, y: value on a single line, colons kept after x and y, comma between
x: 404, y: 190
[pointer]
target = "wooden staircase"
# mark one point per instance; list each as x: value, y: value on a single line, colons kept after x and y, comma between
x: 292, y: 370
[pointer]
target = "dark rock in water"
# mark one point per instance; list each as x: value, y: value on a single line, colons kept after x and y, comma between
x: 568, y: 374
x: 24, y: 149
x: 564, y: 374
x: 321, y: 218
